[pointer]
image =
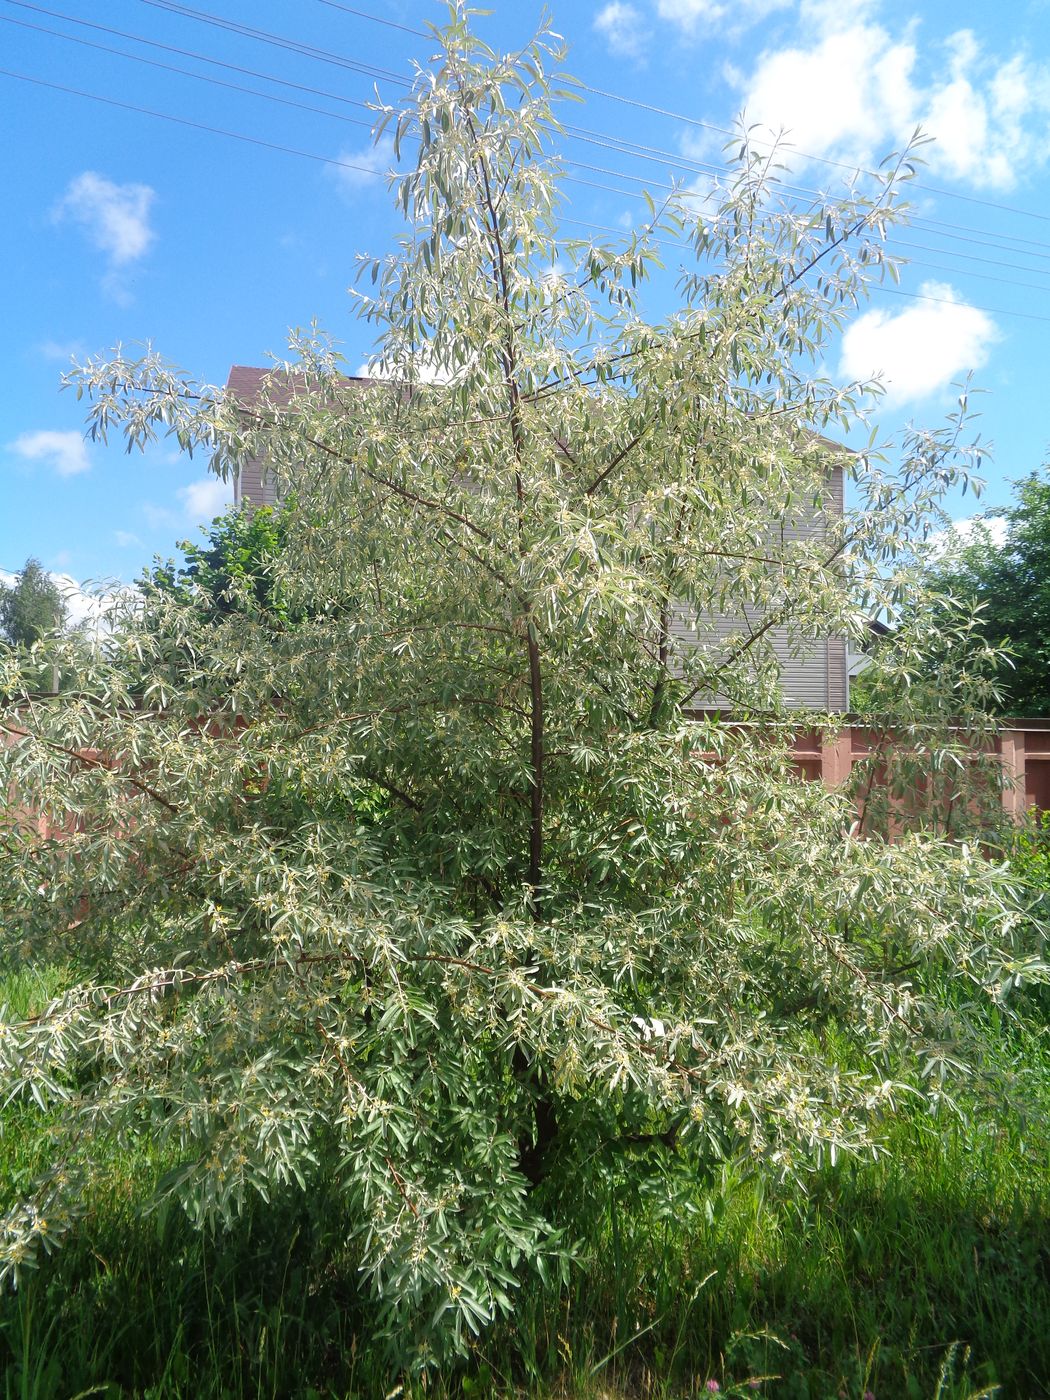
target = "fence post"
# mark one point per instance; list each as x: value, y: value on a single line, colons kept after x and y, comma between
x: 1013, y: 772
x: 836, y: 758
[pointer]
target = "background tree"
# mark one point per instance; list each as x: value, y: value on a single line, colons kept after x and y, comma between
x: 575, y: 940
x: 31, y: 607
x: 1008, y: 584
x: 233, y: 570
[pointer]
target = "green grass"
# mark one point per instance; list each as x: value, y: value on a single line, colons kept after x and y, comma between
x: 924, y: 1275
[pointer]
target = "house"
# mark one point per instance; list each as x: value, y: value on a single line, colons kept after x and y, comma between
x: 252, y: 485
x: 859, y: 654
x: 816, y: 680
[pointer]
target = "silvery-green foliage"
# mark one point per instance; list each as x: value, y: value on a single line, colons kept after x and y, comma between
x: 425, y: 894
x: 926, y: 702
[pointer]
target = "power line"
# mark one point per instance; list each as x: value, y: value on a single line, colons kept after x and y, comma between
x: 198, y: 126
x: 975, y: 257
x: 909, y: 261
x: 948, y: 301
x: 310, y: 155
x: 363, y: 14
x: 188, y: 73
x: 188, y: 53
x: 687, y: 163
x: 634, y: 150
x: 722, y: 130
x: 638, y: 151
x: 263, y: 36
x: 981, y: 276
x: 896, y: 238
x: 586, y: 135
x: 944, y: 231
x: 820, y: 160
x: 1010, y: 237
x: 223, y: 131
x: 366, y: 170
x: 683, y: 163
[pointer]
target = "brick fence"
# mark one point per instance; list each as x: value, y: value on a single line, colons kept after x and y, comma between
x: 1023, y: 746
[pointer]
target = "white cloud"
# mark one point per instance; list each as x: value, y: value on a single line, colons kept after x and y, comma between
x: 689, y: 15
x: 845, y: 95
x: 87, y: 605
x: 919, y: 351
x: 991, y: 118
x: 851, y: 90
x: 963, y: 532
x: 126, y: 539
x: 66, y: 452
x: 996, y: 526
x: 363, y: 169
x: 203, y: 500
x: 115, y: 217
x: 836, y: 14
x: 623, y: 29
x: 61, y: 351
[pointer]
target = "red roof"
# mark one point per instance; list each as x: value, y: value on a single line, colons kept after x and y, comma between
x: 246, y: 382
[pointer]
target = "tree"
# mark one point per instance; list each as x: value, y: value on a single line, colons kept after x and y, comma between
x: 1009, y: 585
x: 233, y: 571
x: 32, y: 607
x: 590, y: 927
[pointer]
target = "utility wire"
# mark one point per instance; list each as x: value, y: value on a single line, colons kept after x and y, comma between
x: 366, y: 170
x: 974, y: 257
x: 948, y: 301
x: 198, y: 126
x: 233, y: 135
x: 188, y: 73
x: 666, y: 242
x: 254, y: 92
x: 593, y: 137
x: 263, y: 36
x: 636, y: 150
x: 686, y: 164
x: 171, y: 7
x: 188, y: 53
x: 714, y: 128
x: 361, y: 122
x: 803, y: 155
x: 1011, y: 237
x: 981, y: 276
x: 363, y: 14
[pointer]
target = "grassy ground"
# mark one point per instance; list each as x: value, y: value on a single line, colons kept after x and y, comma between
x: 927, y: 1275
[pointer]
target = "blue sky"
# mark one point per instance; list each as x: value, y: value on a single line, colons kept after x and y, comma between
x: 122, y: 226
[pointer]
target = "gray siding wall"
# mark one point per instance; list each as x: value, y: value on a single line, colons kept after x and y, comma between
x: 253, y: 486
x: 814, y: 679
